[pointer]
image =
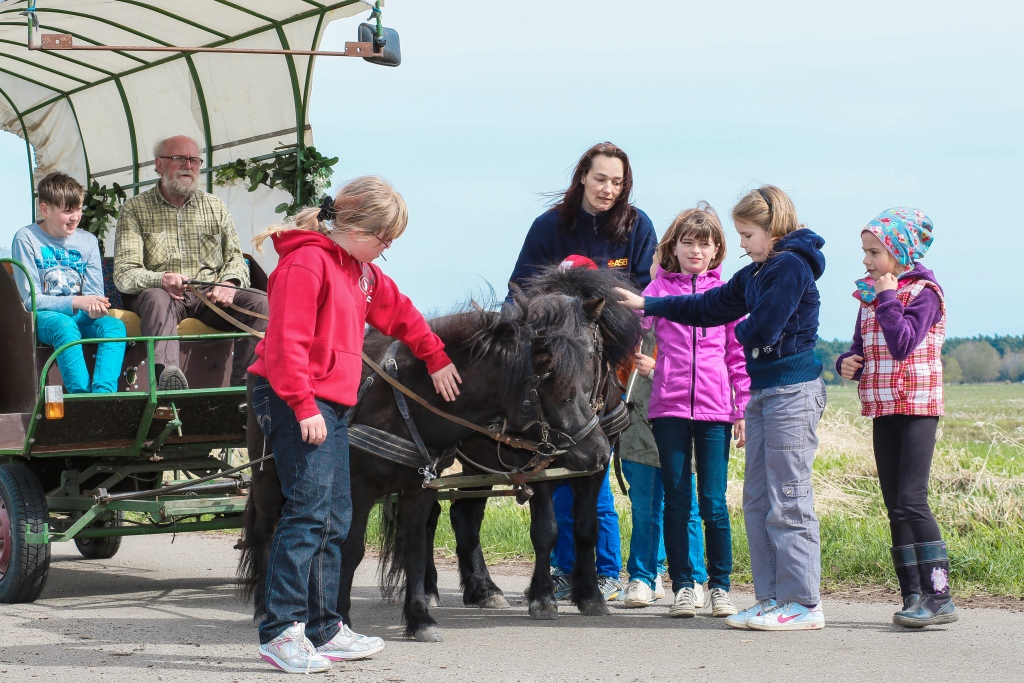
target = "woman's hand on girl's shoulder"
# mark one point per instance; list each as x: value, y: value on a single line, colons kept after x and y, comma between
x: 447, y: 381
x: 739, y: 432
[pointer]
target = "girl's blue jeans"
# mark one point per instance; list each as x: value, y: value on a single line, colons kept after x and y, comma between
x: 304, y: 568
x: 647, y: 544
x: 679, y: 440
x: 609, y: 546
x: 57, y: 329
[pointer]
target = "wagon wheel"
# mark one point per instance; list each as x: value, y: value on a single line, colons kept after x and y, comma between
x: 23, y: 566
x: 101, y: 548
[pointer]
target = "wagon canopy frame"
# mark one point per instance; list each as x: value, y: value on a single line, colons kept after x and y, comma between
x: 97, y: 114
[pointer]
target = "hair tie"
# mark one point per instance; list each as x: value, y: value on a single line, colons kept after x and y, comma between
x: 771, y: 210
x: 327, y: 212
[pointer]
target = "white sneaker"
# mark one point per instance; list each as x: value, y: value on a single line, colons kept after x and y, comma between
x: 684, y: 604
x: 638, y: 594
x: 721, y: 604
x: 740, y: 619
x: 347, y: 644
x: 659, y: 587
x: 699, y: 596
x: 291, y: 651
x: 790, y: 616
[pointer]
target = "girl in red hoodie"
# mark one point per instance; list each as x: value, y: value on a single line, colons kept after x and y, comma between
x: 322, y: 293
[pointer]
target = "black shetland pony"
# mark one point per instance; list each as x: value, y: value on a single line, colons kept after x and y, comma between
x: 489, y: 349
x: 621, y: 333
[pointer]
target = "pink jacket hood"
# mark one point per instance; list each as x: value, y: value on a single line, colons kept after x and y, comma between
x: 700, y: 372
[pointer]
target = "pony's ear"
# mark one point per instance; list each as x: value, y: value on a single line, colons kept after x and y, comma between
x: 518, y: 297
x: 593, y: 308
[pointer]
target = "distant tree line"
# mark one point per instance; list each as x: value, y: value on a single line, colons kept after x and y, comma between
x: 965, y: 360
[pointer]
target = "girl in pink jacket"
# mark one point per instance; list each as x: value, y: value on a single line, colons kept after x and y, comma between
x: 700, y: 391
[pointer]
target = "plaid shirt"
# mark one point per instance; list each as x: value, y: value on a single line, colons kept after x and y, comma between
x: 155, y: 237
x: 909, y: 387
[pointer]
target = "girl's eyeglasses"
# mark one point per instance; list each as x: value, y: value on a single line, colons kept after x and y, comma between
x: 386, y: 243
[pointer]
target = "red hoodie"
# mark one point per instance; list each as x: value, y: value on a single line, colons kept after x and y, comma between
x: 320, y: 301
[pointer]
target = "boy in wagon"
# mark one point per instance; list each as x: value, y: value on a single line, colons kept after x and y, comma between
x: 64, y: 265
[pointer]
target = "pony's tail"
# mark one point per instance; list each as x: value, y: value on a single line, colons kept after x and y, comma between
x: 259, y: 521
x: 390, y: 567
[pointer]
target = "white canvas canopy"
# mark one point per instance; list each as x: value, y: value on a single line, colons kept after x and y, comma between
x: 96, y: 115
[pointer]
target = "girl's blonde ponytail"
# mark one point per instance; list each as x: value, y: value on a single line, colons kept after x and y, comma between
x: 368, y: 205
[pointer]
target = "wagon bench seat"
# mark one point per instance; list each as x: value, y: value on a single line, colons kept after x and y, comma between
x: 133, y: 324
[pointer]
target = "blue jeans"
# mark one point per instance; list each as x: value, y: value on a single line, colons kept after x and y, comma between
x: 678, y: 440
x: 57, y: 329
x: 304, y: 568
x: 647, y: 502
x: 609, y: 552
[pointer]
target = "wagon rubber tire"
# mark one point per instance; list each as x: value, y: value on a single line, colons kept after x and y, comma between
x: 23, y: 566
x: 101, y: 548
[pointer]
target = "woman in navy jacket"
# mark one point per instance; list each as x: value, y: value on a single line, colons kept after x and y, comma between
x: 594, y: 218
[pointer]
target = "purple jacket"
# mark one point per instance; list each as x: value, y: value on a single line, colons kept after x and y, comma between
x: 903, y: 328
x: 701, y: 372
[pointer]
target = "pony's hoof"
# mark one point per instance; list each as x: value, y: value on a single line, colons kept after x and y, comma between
x: 594, y: 608
x: 543, y: 610
x: 428, y: 634
x: 433, y: 601
x: 496, y: 601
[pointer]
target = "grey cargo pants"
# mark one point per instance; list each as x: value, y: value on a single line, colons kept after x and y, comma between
x: 778, y: 500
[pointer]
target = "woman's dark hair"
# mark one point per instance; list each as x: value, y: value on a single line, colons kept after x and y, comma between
x: 620, y: 218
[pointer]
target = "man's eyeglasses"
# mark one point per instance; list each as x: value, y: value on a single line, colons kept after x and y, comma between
x: 180, y: 160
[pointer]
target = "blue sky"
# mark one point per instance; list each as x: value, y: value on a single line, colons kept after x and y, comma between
x: 850, y: 108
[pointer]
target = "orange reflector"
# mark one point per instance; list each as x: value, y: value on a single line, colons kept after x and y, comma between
x: 54, y: 396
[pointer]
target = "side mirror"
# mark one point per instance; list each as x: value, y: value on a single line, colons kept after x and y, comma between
x: 387, y: 48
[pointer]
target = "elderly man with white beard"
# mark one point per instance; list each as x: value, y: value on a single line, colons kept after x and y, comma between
x: 170, y: 235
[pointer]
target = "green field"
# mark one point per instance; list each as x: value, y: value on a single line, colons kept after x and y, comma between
x: 977, y: 493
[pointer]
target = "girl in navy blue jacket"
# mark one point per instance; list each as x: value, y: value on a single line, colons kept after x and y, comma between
x: 787, y: 398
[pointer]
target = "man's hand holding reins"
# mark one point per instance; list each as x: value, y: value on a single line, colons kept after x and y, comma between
x: 447, y: 381
x: 222, y: 295
x: 174, y: 284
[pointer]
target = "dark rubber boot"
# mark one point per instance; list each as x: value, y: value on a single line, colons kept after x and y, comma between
x: 936, y: 604
x: 904, y: 560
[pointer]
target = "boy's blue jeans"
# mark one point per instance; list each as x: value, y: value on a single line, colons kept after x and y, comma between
x: 57, y: 329
x: 707, y: 443
x: 609, y: 552
x: 647, y: 544
x: 304, y: 568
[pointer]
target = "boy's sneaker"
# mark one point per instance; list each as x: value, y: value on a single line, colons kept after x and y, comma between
x: 699, y: 599
x: 347, y: 644
x: 740, y: 619
x: 291, y: 651
x: 638, y: 594
x: 790, y: 616
x: 562, y: 585
x: 172, y: 379
x: 610, y: 587
x: 659, y: 587
x: 684, y: 604
x: 721, y: 605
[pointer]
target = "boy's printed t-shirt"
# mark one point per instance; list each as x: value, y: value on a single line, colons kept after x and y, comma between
x: 60, y: 267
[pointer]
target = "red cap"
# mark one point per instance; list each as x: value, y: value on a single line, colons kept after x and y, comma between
x: 577, y: 261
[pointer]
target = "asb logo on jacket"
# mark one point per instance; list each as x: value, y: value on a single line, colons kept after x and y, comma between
x: 618, y: 263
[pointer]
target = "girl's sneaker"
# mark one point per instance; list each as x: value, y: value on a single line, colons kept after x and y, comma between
x: 699, y: 599
x: 790, y: 616
x: 659, y: 587
x: 721, y: 605
x: 638, y: 594
x: 291, y: 651
x: 740, y: 619
x: 684, y: 604
x: 347, y: 644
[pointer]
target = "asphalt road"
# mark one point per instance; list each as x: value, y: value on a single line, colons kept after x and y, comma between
x: 163, y: 611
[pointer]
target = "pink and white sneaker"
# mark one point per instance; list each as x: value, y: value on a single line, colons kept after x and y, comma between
x: 347, y: 645
x: 790, y: 616
x: 740, y: 619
